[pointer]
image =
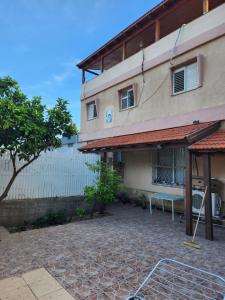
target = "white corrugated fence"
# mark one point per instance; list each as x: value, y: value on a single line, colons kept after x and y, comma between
x: 61, y: 172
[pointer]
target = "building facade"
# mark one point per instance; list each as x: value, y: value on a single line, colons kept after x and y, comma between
x: 157, y: 92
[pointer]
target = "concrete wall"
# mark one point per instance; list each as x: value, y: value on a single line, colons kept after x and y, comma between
x: 156, y: 108
x: 16, y: 212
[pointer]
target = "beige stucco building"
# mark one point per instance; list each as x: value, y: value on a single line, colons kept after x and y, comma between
x: 157, y: 101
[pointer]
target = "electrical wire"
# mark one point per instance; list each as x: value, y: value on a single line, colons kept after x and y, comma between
x: 171, y: 60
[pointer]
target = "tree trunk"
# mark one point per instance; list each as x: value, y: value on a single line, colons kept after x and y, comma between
x: 102, y: 207
x: 15, y: 173
x: 8, y: 187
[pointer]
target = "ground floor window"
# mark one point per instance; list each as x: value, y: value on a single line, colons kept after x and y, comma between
x: 169, y: 166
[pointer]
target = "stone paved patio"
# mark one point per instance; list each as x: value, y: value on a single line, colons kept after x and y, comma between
x: 107, y: 258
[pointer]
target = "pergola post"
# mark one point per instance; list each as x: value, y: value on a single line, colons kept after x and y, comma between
x: 205, y: 6
x: 208, y: 197
x: 83, y: 76
x: 124, y: 53
x: 104, y: 157
x: 157, y: 30
x: 102, y: 64
x: 188, y: 191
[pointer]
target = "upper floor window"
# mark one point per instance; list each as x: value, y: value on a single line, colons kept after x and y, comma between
x: 91, y: 110
x: 185, y: 78
x: 126, y: 98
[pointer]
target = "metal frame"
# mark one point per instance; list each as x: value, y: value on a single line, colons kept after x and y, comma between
x: 187, y: 282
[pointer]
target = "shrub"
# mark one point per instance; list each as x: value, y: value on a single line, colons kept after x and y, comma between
x: 52, y: 218
x: 107, y: 185
x: 80, y: 212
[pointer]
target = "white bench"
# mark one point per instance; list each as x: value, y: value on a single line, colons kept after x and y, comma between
x: 165, y: 197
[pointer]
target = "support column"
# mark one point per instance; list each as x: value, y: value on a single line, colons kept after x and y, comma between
x: 208, y: 197
x: 83, y: 76
x: 157, y: 30
x: 205, y: 6
x: 104, y: 157
x: 124, y: 55
x: 188, y: 193
x: 102, y: 64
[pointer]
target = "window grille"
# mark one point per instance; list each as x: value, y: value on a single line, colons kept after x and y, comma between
x: 169, y: 166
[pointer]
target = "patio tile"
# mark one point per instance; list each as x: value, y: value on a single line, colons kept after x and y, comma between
x: 36, y: 276
x: 20, y: 293
x: 57, y: 295
x: 44, y: 286
x: 11, y: 284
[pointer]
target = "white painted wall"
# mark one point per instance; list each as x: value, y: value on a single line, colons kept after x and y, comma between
x: 61, y: 172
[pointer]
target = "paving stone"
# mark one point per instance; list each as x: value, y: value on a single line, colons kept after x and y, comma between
x: 57, y: 295
x: 20, y: 293
x: 44, y: 286
x: 11, y: 284
x: 36, y: 276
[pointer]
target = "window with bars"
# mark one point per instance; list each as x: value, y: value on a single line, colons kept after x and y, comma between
x: 169, y: 166
x: 91, y: 110
x: 185, y: 78
x: 126, y: 98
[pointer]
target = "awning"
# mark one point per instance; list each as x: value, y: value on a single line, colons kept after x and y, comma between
x: 214, y: 142
x: 187, y: 134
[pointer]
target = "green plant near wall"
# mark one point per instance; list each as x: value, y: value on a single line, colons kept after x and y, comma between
x: 80, y: 212
x: 52, y: 218
x: 107, y: 185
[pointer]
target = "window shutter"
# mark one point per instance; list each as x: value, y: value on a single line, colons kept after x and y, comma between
x: 192, y: 77
x: 97, y: 106
x: 200, y: 61
x: 90, y: 108
x: 135, y: 90
x: 178, y: 81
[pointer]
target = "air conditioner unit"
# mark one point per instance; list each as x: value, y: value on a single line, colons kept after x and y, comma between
x: 197, y: 197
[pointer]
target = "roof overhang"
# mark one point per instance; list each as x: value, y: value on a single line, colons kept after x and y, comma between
x: 213, y: 143
x: 183, y: 135
x: 139, y: 23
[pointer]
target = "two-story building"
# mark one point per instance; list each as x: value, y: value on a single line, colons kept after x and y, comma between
x: 156, y: 104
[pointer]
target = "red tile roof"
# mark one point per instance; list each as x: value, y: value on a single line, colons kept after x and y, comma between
x: 215, y: 141
x: 177, y: 134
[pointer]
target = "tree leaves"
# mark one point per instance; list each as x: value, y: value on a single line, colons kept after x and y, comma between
x: 27, y: 127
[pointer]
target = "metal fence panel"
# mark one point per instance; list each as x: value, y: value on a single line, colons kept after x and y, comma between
x: 61, y: 172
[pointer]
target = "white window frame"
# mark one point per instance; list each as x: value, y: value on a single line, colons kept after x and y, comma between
x: 126, y: 98
x: 93, y: 103
x: 184, y: 68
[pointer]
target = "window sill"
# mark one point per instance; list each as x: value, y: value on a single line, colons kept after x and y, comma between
x: 131, y: 107
x: 184, y: 92
x: 180, y: 186
x: 92, y: 119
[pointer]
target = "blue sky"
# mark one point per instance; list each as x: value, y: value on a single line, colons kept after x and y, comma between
x: 42, y: 40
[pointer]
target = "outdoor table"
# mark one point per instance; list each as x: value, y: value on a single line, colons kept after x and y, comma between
x: 165, y: 197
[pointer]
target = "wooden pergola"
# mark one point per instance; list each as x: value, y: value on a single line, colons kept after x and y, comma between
x: 213, y: 144
x: 164, y: 18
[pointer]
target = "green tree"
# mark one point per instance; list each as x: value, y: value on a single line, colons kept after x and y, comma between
x: 28, y: 128
x: 107, y: 185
